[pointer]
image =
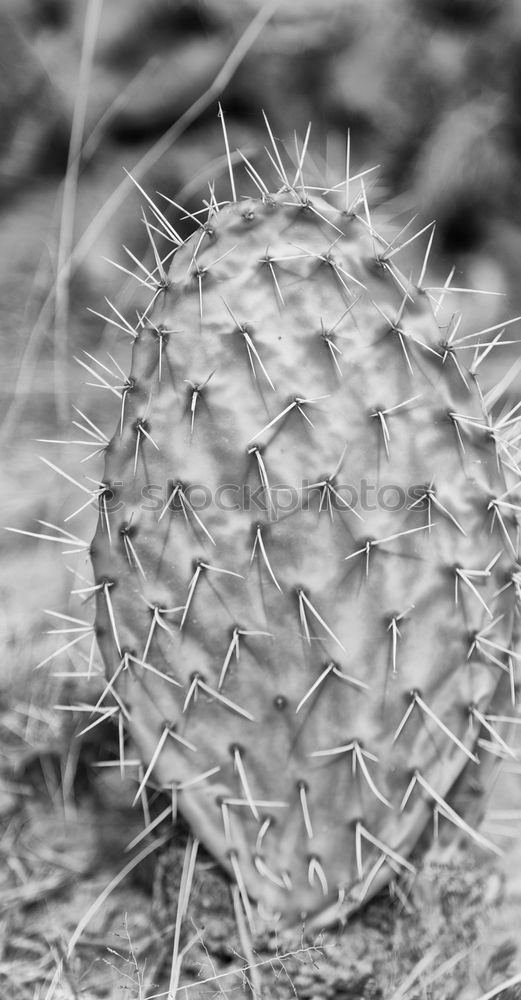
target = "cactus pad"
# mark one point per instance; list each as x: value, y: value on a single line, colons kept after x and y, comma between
x: 306, y: 553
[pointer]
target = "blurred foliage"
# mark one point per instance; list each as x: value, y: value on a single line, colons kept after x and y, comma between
x: 430, y: 90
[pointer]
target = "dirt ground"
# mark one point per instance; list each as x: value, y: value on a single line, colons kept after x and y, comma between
x: 82, y: 915
x: 66, y: 827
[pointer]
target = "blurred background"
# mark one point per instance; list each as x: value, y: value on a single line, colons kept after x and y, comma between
x: 90, y: 89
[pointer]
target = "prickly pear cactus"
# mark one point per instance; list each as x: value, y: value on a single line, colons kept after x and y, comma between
x: 306, y: 554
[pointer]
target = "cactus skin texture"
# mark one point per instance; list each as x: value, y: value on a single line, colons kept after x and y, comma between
x: 310, y: 671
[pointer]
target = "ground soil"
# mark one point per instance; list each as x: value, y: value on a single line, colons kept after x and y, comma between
x: 453, y: 932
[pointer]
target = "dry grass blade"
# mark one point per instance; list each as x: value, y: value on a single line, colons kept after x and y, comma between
x: 253, y: 980
x: 445, y: 967
x: 185, y: 887
x: 497, y: 990
x: 415, y: 973
x: 121, y: 875
x: 119, y: 195
x: 167, y: 140
x: 68, y: 211
x: 54, y: 983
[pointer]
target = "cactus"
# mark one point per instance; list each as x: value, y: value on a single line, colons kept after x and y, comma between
x: 306, y: 555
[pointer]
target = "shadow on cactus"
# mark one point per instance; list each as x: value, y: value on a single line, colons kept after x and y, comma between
x: 309, y: 676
